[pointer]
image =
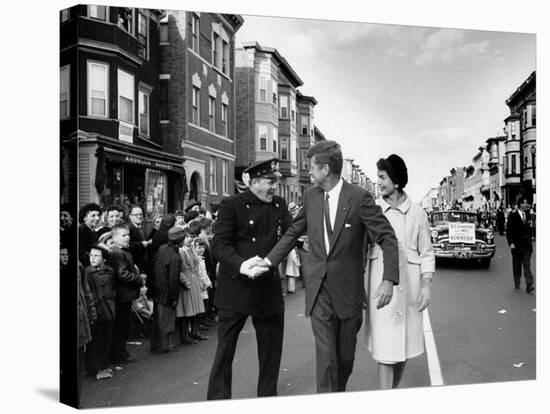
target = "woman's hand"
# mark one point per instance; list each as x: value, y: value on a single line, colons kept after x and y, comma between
x: 424, y: 299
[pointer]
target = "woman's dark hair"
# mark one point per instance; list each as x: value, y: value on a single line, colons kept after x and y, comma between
x: 395, y: 168
x: 86, y: 208
x: 328, y: 152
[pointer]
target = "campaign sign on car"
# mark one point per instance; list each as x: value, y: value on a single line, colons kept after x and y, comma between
x: 462, y: 233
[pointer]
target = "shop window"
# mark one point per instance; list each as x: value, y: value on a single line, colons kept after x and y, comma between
x: 64, y: 91
x: 143, y: 38
x: 195, y: 34
x: 196, y: 105
x: 144, y: 99
x: 155, y: 194
x: 98, y: 12
x: 126, y: 19
x: 125, y: 96
x: 97, y: 89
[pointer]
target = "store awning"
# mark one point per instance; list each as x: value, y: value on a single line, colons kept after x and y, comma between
x: 147, y: 162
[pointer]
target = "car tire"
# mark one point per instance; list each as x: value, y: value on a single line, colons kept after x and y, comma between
x: 485, y: 263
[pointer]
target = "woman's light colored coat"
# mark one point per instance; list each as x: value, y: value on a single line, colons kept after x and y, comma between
x: 395, y: 332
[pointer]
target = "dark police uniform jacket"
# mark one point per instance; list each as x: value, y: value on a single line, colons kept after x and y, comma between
x: 248, y: 227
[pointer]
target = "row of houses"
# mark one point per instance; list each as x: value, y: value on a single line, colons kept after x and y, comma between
x: 159, y: 107
x: 502, y: 168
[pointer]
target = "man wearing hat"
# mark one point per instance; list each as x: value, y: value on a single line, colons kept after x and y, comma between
x: 249, y: 225
x: 167, y: 271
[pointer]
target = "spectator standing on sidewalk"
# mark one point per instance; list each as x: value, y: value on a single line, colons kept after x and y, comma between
x: 100, y: 278
x: 88, y: 217
x: 128, y: 282
x: 167, y: 269
x: 518, y: 233
x: 86, y: 317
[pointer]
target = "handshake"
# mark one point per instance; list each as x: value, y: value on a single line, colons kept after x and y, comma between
x: 254, y: 267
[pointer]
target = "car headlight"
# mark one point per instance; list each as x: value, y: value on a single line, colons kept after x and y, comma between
x: 434, y: 234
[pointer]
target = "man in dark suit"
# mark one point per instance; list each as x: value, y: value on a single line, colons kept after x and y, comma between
x: 518, y: 233
x: 337, y: 217
x: 139, y: 245
x: 249, y: 224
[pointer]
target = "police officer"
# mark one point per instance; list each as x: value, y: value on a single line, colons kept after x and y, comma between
x: 249, y: 224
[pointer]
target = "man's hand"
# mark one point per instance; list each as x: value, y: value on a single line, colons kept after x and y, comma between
x: 384, y: 293
x: 254, y: 267
x: 424, y: 299
x: 512, y: 246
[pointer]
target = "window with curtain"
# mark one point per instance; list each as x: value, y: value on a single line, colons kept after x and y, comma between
x: 126, y: 19
x: 97, y: 89
x: 284, y: 148
x: 64, y: 91
x: 283, y: 101
x: 263, y: 137
x: 225, y: 60
x: 275, y: 139
x: 263, y: 89
x: 144, y: 98
x: 305, y: 124
x: 125, y: 96
x: 98, y: 12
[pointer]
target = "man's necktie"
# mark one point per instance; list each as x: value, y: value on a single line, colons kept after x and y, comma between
x: 327, y: 217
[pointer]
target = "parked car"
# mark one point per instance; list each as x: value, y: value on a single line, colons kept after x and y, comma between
x: 456, y: 235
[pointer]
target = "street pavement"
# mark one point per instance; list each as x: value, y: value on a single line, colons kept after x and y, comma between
x: 481, y: 327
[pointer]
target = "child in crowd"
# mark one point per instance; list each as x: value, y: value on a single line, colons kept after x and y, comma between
x: 205, y: 283
x: 190, y: 302
x: 100, y: 278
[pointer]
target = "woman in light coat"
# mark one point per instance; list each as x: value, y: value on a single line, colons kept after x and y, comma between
x: 394, y: 333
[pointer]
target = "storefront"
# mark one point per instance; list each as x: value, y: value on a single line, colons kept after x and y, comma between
x: 156, y: 185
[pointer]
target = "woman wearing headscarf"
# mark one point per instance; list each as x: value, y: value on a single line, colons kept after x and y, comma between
x: 394, y: 333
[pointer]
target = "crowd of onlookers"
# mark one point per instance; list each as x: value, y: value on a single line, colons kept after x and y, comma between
x: 157, y: 283
x: 497, y: 218
x: 132, y: 281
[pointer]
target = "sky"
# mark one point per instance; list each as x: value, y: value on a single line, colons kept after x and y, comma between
x: 431, y: 95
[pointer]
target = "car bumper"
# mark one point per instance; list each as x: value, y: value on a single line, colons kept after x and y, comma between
x: 465, y: 254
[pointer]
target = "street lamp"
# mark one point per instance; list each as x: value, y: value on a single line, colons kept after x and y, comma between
x: 534, y: 164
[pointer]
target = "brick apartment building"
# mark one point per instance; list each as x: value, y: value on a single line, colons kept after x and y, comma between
x: 197, y: 104
x: 111, y: 146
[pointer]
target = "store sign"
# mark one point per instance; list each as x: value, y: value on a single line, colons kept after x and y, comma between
x: 125, y: 132
x: 148, y: 163
x: 462, y: 233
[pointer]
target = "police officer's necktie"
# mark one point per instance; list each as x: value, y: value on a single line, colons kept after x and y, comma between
x: 327, y: 217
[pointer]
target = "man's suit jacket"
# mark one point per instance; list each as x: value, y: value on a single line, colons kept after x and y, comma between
x: 140, y: 254
x: 518, y: 232
x: 248, y: 227
x: 344, y: 266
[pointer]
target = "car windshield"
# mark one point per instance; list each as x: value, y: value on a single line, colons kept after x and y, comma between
x: 453, y: 216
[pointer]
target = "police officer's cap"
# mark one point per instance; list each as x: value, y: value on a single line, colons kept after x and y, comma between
x: 264, y: 169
